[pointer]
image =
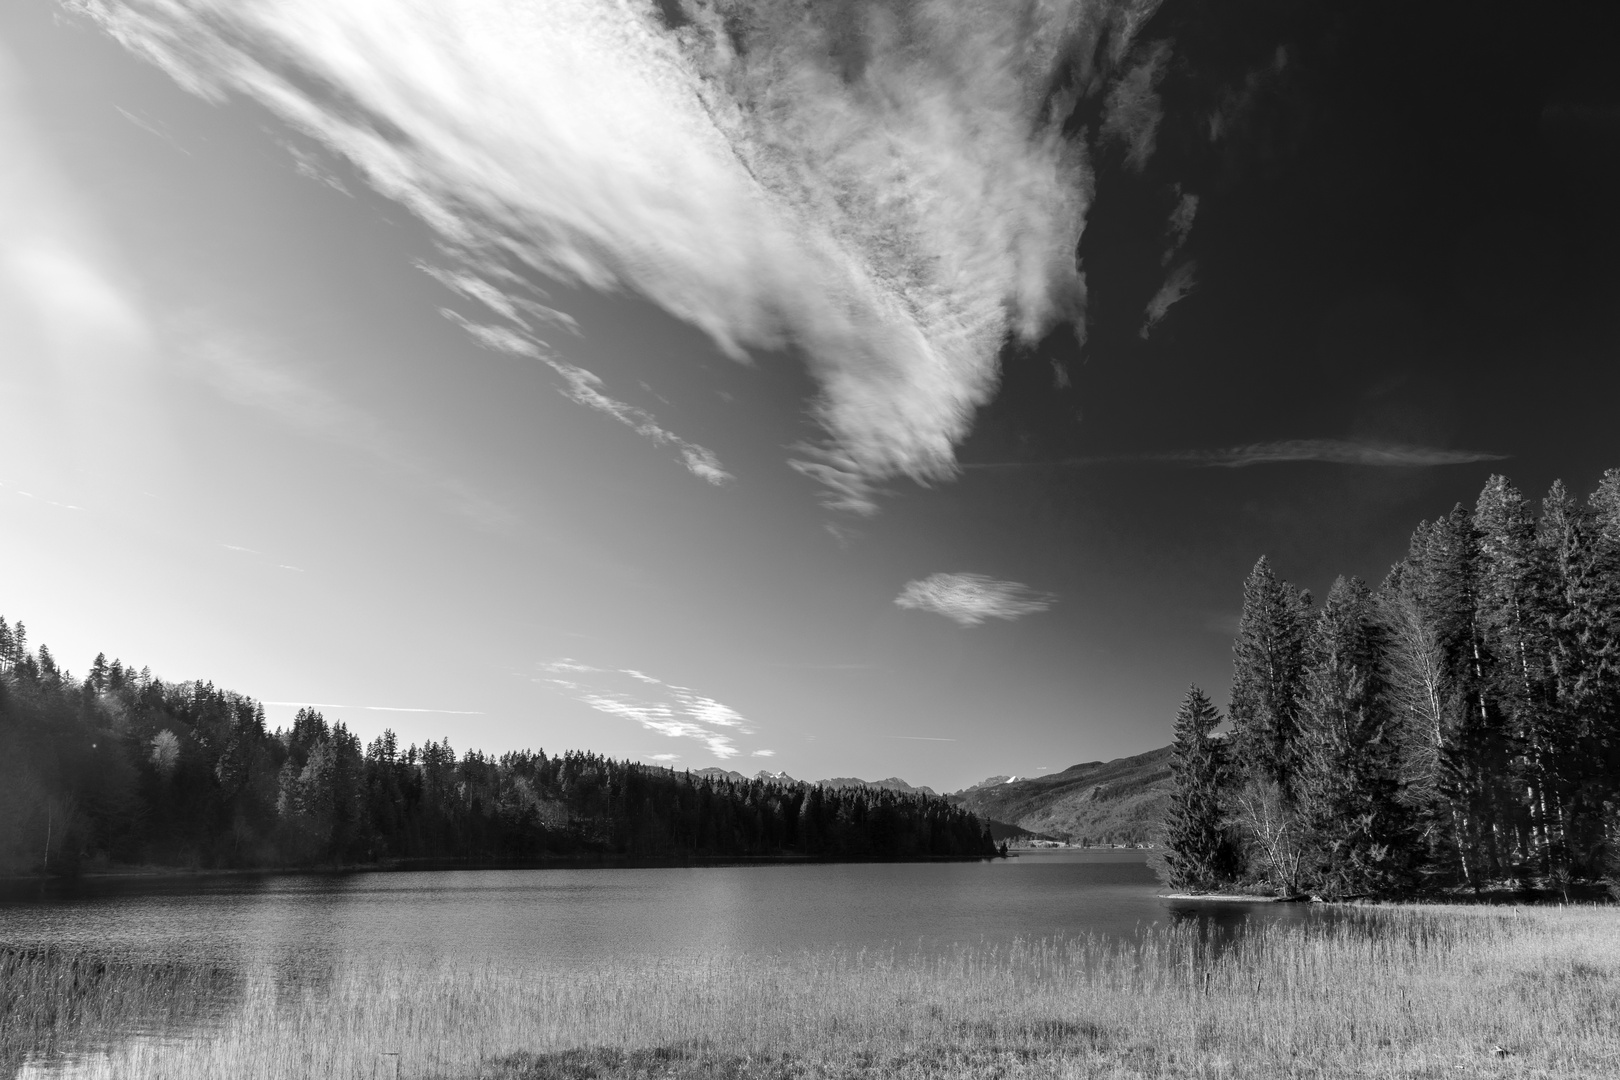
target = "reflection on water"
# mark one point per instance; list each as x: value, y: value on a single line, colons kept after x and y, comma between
x: 582, y: 916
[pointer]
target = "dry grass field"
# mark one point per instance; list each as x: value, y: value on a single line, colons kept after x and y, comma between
x: 1376, y: 992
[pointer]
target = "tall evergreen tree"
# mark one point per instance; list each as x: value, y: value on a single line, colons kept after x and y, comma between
x: 1267, y: 664
x: 1348, y: 779
x: 1199, y: 852
x: 1513, y: 614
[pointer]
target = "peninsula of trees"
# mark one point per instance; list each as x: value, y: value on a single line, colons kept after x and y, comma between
x: 1456, y: 728
x: 120, y: 768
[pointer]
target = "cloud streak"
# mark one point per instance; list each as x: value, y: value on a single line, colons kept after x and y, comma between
x: 970, y: 599
x: 675, y: 712
x: 1330, y: 451
x: 585, y: 388
x: 885, y: 188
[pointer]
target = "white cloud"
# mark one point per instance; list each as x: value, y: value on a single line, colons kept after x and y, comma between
x: 763, y: 753
x: 1175, y: 287
x: 584, y: 387
x: 1179, y: 224
x: 675, y: 712
x: 886, y: 188
x: 970, y: 599
x: 1132, y: 111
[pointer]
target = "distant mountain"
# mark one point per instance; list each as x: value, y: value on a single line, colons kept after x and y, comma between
x: 712, y: 773
x: 993, y: 781
x: 893, y: 783
x: 1112, y: 802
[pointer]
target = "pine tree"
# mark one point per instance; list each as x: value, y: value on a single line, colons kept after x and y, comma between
x: 1348, y: 779
x: 1267, y: 663
x: 1199, y: 852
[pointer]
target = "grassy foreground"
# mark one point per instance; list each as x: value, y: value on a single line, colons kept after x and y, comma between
x: 1380, y: 992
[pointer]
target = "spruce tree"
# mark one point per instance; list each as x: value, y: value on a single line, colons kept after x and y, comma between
x: 1348, y: 776
x: 1267, y: 663
x: 1199, y: 853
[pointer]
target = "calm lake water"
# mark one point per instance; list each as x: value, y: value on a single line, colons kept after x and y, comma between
x: 584, y: 916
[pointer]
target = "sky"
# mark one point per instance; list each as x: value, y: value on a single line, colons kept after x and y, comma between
x: 874, y: 389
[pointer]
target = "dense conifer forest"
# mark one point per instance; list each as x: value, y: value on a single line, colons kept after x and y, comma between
x: 120, y: 768
x: 1457, y: 727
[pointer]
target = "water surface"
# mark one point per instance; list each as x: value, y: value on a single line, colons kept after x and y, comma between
x: 554, y: 917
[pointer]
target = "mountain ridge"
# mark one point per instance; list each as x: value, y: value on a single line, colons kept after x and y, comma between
x: 1120, y: 801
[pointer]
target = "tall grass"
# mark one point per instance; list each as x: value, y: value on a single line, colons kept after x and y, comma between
x: 1386, y: 992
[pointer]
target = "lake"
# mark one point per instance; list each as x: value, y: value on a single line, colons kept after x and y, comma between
x: 562, y: 917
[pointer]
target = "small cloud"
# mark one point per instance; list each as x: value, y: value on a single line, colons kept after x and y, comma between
x: 849, y: 487
x: 676, y: 712
x: 1132, y: 111
x: 970, y: 599
x: 294, y: 569
x: 1179, y: 225
x: 763, y: 753
x: 584, y: 388
x: 1175, y: 288
x: 309, y: 167
x: 663, y: 757
x: 245, y: 550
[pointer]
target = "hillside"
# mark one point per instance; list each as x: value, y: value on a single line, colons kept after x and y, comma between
x: 1100, y: 802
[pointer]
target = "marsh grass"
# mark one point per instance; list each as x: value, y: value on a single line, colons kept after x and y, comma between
x: 53, y: 1000
x: 1376, y: 992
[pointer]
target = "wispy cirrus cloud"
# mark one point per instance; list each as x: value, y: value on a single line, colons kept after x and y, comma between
x: 585, y: 388
x: 1176, y: 286
x: 676, y: 712
x: 1330, y: 451
x: 970, y: 599
x: 1338, y: 452
x: 886, y: 188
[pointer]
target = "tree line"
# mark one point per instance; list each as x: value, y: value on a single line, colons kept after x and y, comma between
x: 121, y: 768
x: 1457, y: 727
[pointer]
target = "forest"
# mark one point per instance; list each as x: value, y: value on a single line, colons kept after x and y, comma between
x: 122, y: 769
x: 1456, y: 729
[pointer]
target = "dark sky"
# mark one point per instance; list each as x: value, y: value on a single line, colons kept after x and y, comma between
x: 852, y: 390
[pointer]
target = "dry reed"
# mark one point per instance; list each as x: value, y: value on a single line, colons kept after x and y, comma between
x: 1377, y: 992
